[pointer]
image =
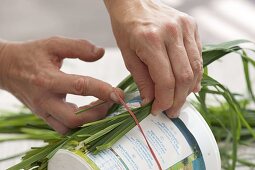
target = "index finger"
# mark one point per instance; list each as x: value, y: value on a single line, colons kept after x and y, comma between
x: 60, y: 82
x: 162, y: 75
x: 74, y: 48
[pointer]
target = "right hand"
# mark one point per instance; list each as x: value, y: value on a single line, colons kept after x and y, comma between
x: 31, y: 72
x: 162, y: 50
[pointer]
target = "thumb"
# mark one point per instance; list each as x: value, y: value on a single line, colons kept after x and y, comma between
x: 74, y: 48
x: 85, y: 86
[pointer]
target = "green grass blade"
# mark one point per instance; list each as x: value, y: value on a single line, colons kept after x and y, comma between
x: 247, y: 74
x: 102, y: 132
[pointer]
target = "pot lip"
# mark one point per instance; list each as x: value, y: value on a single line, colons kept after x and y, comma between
x: 203, y: 135
x: 65, y: 159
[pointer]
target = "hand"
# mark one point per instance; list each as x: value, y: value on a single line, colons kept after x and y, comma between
x: 30, y: 71
x: 162, y: 50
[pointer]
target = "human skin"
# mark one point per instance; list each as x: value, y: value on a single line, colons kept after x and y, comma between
x: 31, y: 71
x: 162, y: 50
x: 160, y: 46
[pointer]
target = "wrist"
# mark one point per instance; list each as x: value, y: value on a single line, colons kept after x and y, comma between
x: 118, y: 8
x: 2, y: 57
x: 130, y: 11
x: 4, y: 64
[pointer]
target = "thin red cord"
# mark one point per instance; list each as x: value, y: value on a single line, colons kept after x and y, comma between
x: 140, y: 128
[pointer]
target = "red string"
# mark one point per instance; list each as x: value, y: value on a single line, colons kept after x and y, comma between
x: 140, y: 128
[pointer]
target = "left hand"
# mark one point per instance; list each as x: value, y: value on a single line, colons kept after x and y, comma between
x: 31, y: 71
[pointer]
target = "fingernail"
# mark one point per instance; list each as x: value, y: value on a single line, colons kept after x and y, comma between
x: 173, y: 114
x: 145, y: 101
x: 170, y: 115
x: 197, y: 88
x: 155, y: 113
x: 96, y: 50
x: 120, y: 92
x: 177, y: 114
x: 114, y: 97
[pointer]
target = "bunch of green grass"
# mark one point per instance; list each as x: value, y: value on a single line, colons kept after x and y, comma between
x: 231, y: 121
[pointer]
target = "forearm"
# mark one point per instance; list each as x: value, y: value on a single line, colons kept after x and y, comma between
x: 112, y: 4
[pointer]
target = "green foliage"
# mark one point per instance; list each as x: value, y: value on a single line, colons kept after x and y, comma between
x: 232, y: 123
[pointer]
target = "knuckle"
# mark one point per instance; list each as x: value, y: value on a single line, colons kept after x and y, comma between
x: 37, y: 80
x: 169, y: 87
x: 41, y: 80
x: 200, y: 73
x: 72, y: 122
x: 186, y: 77
x: 150, y: 34
x: 85, y: 43
x: 169, y: 104
x: 200, y: 48
x: 139, y: 52
x: 169, y: 84
x: 54, y: 38
x: 180, y: 102
x: 193, y: 22
x: 37, y: 105
x: 129, y: 65
x: 188, y: 23
x: 62, y: 130
x: 51, y: 42
x: 164, y: 105
x: 50, y: 84
x: 46, y: 117
x: 197, y: 66
x: 186, y: 19
x: 42, y: 115
x: 98, y: 116
x: 82, y: 41
x: 145, y: 56
x: 189, y: 40
x: 173, y: 28
x: 177, y: 104
x: 81, y: 86
x: 146, y: 36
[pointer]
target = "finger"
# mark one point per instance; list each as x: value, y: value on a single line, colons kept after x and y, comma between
x: 83, y: 85
x: 193, y: 48
x: 183, y: 75
x: 179, y: 100
x: 54, y: 123
x: 99, y: 111
x: 141, y: 76
x: 74, y: 48
x: 198, y: 41
x: 199, y: 45
x: 65, y: 113
x: 200, y: 77
x: 194, y: 59
x: 155, y: 57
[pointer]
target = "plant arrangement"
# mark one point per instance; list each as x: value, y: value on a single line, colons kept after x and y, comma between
x: 229, y: 117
